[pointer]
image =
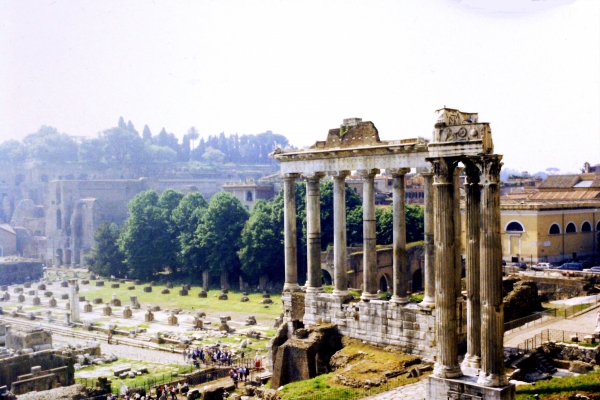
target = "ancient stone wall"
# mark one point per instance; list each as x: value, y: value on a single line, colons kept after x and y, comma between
x: 378, y: 322
x: 13, y: 367
x: 19, y: 271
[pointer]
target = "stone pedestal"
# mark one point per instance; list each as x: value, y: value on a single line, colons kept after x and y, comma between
x: 106, y: 310
x: 36, y: 301
x: 148, y: 289
x: 169, y: 285
x: 21, y: 298
x: 198, y: 323
x: 97, y: 300
x: 52, y: 302
x: 465, y: 387
x: 127, y: 313
x: 172, y: 320
x: 66, y: 284
x: 87, y: 307
x: 134, y: 302
x: 41, y: 286
x: 183, y: 292
x: 202, y: 294
x: 149, y: 317
x: 115, y: 302
x: 99, y: 283
x: 114, y: 286
x: 165, y: 291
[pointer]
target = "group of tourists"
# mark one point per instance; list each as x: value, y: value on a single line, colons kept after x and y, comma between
x: 239, y: 374
x: 207, y: 355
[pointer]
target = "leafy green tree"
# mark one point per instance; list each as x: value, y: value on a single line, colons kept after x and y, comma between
x: 261, y: 250
x: 193, y: 135
x: 106, y: 258
x: 160, y: 154
x: 49, y: 146
x: 218, y: 237
x: 145, y: 240
x: 354, y: 226
x: 168, y: 202
x: 415, y: 223
x: 384, y: 222
x: 146, y: 135
x: 121, y: 124
x: 187, y: 216
x: 352, y: 201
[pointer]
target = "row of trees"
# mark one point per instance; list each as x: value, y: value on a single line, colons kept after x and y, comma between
x: 188, y: 236
x: 123, y: 145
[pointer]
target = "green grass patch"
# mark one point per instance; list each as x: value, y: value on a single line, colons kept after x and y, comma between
x: 417, y: 297
x: 562, y: 388
x: 172, y: 300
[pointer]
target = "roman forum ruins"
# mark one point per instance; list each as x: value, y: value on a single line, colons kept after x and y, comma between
x: 433, y: 328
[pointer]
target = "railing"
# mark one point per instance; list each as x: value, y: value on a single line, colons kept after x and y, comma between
x: 533, y: 343
x: 543, y: 316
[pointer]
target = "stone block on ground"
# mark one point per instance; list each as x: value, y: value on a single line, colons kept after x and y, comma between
x: 169, y: 285
x: 130, y: 287
x: 115, y: 285
x: 165, y: 291
x: 183, y: 292
x: 97, y: 300
x: 64, y: 296
x: 147, y: 289
x: 202, y: 294
x: 99, y: 283
x: 223, y: 296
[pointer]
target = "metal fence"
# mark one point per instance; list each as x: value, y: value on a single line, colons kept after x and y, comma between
x: 543, y: 316
x: 533, y: 343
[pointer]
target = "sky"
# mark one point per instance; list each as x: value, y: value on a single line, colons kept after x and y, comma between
x: 298, y: 68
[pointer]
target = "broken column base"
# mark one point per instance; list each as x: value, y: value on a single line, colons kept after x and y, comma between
x: 465, y: 387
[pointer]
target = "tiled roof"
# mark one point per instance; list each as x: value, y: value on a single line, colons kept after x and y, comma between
x: 559, y: 182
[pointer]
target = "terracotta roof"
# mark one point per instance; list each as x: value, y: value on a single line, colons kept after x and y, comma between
x: 553, y: 195
x: 559, y: 182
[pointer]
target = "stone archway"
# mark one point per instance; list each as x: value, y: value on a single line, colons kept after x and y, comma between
x: 327, y: 279
x: 417, y: 280
x: 384, y: 283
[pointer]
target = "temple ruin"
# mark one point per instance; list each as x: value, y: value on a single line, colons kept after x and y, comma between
x: 432, y: 328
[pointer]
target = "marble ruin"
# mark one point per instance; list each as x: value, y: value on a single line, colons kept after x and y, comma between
x: 433, y: 328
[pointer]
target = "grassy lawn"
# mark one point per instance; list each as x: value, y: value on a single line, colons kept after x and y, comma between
x: 211, y: 304
x: 562, y: 388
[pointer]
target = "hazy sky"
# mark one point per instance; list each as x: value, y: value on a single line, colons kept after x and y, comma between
x: 531, y: 68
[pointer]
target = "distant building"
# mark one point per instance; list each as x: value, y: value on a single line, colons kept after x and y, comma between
x: 560, y: 220
x: 249, y: 192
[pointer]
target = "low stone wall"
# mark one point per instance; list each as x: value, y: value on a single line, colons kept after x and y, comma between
x: 20, y: 271
x: 13, y: 367
x: 408, y: 328
x: 572, y: 352
x: 42, y: 380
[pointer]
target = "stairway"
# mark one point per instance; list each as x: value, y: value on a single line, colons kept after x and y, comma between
x: 543, y: 364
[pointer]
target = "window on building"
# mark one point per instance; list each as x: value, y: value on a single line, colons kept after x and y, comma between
x: 586, y: 227
x: 248, y: 196
x: 571, y: 228
x: 58, y: 219
x: 554, y: 229
x: 514, y: 226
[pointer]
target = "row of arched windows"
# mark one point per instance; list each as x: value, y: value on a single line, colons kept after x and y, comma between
x: 516, y: 226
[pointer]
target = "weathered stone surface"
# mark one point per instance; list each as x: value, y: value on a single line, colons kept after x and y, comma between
x: 148, y: 289
x: 202, y: 294
x: 298, y: 359
x: 522, y: 301
x: 99, y: 283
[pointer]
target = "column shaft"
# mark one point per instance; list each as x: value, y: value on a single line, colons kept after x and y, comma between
x: 472, y: 217
x: 313, y: 233
x: 399, y: 238
x: 492, y: 316
x: 457, y: 241
x: 429, y: 273
x: 445, y: 273
x: 369, y: 237
x: 339, y: 235
x: 289, y: 224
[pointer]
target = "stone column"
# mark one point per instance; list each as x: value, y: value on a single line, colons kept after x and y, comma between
x: 472, y: 217
x: 445, y: 272
x: 457, y: 239
x: 399, y: 238
x: 289, y: 224
x: 369, y: 236
x: 340, y: 278
x: 74, y: 300
x: 492, y: 309
x: 313, y: 232
x: 429, y: 273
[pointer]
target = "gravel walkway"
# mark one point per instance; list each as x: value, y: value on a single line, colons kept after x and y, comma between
x: 128, y: 352
x: 414, y: 391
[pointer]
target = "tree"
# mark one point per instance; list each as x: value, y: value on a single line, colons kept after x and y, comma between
x: 146, y: 135
x: 213, y: 156
x: 187, y: 216
x: 106, y: 258
x: 354, y: 226
x: 145, y: 240
x: 12, y: 152
x: 121, y: 124
x: 122, y: 146
x: 50, y: 146
x: 415, y: 223
x: 193, y: 134
x: 384, y: 220
x: 261, y: 247
x: 218, y: 236
x: 352, y: 201
x: 414, y: 216
x: 90, y: 150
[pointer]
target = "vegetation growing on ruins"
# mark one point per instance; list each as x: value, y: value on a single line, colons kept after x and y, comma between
x: 563, y: 388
